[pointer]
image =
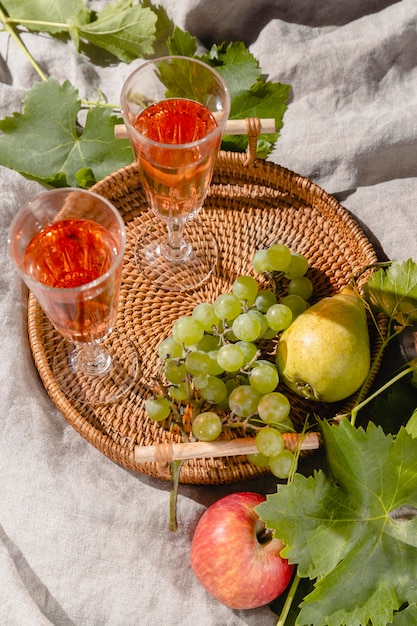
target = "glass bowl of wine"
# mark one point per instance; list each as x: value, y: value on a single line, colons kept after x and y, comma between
x: 175, y: 110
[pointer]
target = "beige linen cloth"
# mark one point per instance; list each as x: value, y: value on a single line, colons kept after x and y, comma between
x: 84, y: 542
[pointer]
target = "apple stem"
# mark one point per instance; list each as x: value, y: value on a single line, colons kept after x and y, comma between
x: 263, y: 534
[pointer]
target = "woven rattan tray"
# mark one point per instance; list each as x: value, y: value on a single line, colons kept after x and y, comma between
x: 249, y: 206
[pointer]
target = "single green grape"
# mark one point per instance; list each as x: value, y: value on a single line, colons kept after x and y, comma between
x: 197, y: 362
x: 297, y: 304
x: 263, y: 378
x: 227, y: 306
x: 178, y: 392
x: 246, y: 327
x: 301, y: 286
x: 169, y: 348
x: 246, y: 289
x: 261, y: 319
x: 280, y: 464
x: 207, y: 426
x: 274, y: 407
x: 261, y: 262
x: 215, y: 390
x: 279, y: 256
x: 269, y: 441
x: 249, y: 350
x: 208, y: 343
x: 265, y: 299
x: 243, y: 400
x: 258, y: 459
x: 214, y: 368
x: 201, y: 381
x: 298, y: 266
x: 187, y: 330
x: 158, y: 408
x: 204, y: 313
x: 279, y: 316
x: 230, y: 357
x: 175, y: 371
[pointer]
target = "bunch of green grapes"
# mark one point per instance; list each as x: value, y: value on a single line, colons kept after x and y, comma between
x: 213, y: 359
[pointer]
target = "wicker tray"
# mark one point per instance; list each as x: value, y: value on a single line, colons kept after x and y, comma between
x: 249, y: 206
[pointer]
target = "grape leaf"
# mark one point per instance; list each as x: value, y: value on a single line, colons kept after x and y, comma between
x: 236, y: 65
x: 52, y: 17
x: 393, y: 291
x: 164, y: 29
x: 127, y: 32
x: 251, y: 95
x: 354, y: 530
x: 45, y: 144
x: 407, y: 617
x: 411, y: 425
x: 263, y: 100
x: 182, y: 43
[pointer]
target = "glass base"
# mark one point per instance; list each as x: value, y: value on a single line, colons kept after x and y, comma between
x: 171, y: 274
x: 110, y: 378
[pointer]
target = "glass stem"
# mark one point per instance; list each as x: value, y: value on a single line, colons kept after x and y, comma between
x: 93, y: 359
x: 176, y: 248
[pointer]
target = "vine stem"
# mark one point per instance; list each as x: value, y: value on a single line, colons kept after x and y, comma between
x: 288, y: 601
x: 173, y: 495
x: 60, y: 25
x: 412, y: 364
x: 7, y: 25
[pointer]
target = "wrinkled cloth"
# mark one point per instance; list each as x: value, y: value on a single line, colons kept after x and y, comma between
x: 83, y: 541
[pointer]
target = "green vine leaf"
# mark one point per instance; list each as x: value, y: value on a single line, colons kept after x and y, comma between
x: 251, y: 94
x: 406, y: 617
x: 263, y: 100
x: 45, y: 144
x: 182, y: 43
x: 393, y: 291
x: 48, y: 17
x: 237, y: 66
x: 354, y: 530
x: 126, y: 31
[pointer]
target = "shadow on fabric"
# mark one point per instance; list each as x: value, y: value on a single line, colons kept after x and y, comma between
x: 215, y: 21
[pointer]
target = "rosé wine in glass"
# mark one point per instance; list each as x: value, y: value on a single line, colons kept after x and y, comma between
x: 175, y: 111
x: 66, y: 255
x: 176, y: 181
x: 68, y: 246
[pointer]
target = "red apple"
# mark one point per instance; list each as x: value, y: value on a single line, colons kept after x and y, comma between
x: 235, y: 558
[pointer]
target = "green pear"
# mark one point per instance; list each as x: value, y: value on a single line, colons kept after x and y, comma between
x: 324, y: 354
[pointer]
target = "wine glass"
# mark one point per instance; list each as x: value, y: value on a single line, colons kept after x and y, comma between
x: 68, y: 246
x: 175, y: 109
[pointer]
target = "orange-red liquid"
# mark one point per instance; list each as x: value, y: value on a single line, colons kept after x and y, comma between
x: 68, y: 254
x: 176, y: 179
x: 175, y: 121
